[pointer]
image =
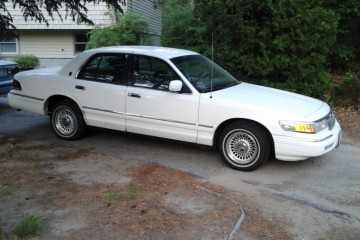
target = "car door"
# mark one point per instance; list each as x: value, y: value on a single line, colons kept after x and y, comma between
x: 100, y: 88
x: 152, y: 109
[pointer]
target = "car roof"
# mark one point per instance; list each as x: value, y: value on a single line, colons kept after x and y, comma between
x: 163, y: 52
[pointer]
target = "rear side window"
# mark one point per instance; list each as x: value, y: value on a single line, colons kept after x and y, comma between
x: 107, y: 68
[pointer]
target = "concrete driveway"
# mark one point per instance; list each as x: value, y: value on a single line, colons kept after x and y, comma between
x: 314, y: 199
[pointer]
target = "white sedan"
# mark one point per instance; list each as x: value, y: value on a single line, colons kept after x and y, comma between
x: 181, y: 95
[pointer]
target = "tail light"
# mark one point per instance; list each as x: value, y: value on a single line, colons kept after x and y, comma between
x: 16, y: 85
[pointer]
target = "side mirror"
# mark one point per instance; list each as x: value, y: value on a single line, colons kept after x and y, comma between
x: 175, y: 86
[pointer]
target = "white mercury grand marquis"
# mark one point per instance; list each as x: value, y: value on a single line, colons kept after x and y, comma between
x: 177, y: 94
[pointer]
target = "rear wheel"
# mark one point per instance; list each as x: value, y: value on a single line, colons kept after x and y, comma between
x: 244, y: 146
x: 67, y: 121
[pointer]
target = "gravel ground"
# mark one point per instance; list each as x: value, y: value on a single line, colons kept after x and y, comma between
x: 81, y: 195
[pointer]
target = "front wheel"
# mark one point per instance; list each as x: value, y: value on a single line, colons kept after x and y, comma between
x: 244, y: 146
x: 67, y: 121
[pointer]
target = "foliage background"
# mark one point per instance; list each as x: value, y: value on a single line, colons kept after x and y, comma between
x: 27, y: 62
x: 129, y: 29
x: 288, y: 44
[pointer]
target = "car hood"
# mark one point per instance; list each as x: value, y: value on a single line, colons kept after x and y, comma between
x: 282, y: 104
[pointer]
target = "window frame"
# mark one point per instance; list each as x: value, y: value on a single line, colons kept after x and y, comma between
x: 124, y: 81
x: 185, y: 89
x: 16, y: 42
x: 76, y: 42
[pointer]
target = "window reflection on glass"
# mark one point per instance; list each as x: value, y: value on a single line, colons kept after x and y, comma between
x: 8, y: 45
x: 153, y: 73
x: 109, y: 68
x: 204, y: 74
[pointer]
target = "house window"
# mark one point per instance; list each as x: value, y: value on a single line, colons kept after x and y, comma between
x: 8, y: 45
x: 80, y: 42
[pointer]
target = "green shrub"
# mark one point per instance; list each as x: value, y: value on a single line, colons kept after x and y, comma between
x: 280, y: 43
x: 348, y: 90
x: 130, y: 29
x: 178, y: 29
x: 27, y: 62
x: 28, y: 226
x: 347, y: 47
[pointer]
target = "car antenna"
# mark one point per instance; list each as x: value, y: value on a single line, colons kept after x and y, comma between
x: 212, y: 67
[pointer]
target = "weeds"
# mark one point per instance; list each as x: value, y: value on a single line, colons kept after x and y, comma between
x: 4, y: 190
x: 132, y: 191
x: 50, y: 193
x: 29, y: 226
x: 113, y: 197
x: 2, y: 234
x: 34, y: 169
x: 216, y: 201
x: 131, y: 194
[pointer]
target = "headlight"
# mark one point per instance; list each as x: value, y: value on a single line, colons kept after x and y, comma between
x: 304, y: 127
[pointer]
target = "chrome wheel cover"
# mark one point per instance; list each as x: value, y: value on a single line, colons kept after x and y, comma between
x: 65, y: 121
x: 242, y: 147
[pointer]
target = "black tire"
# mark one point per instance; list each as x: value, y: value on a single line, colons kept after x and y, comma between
x: 244, y: 146
x: 67, y: 120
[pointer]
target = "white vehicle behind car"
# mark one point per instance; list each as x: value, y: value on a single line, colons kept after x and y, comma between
x: 177, y: 94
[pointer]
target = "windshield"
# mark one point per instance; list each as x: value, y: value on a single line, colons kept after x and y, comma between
x: 204, y: 74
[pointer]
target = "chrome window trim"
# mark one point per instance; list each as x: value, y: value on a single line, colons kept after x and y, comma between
x: 103, y: 110
x: 26, y: 96
x: 205, y: 126
x: 161, y: 119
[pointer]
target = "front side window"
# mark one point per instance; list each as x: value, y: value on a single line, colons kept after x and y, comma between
x: 8, y: 45
x: 203, y: 73
x: 107, y: 68
x: 153, y: 73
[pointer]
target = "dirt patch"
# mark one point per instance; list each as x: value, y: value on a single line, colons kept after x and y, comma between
x: 80, y: 195
x: 349, y: 119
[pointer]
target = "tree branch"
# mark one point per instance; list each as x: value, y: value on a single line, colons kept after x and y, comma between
x: 35, y: 10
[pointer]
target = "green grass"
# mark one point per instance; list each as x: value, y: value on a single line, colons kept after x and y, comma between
x: 132, y: 191
x: 29, y: 226
x: 216, y: 200
x: 34, y: 169
x: 2, y: 234
x: 113, y: 197
x: 4, y: 190
x: 50, y: 193
x: 131, y: 194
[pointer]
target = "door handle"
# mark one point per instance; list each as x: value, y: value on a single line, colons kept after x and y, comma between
x: 134, y: 95
x: 80, y: 87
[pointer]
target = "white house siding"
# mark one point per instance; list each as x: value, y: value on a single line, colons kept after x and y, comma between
x: 54, y: 44
x: 151, y: 13
x: 96, y: 12
x: 47, y: 43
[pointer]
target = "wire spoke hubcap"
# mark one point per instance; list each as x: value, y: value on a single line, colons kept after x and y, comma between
x: 242, y: 147
x: 65, y: 122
